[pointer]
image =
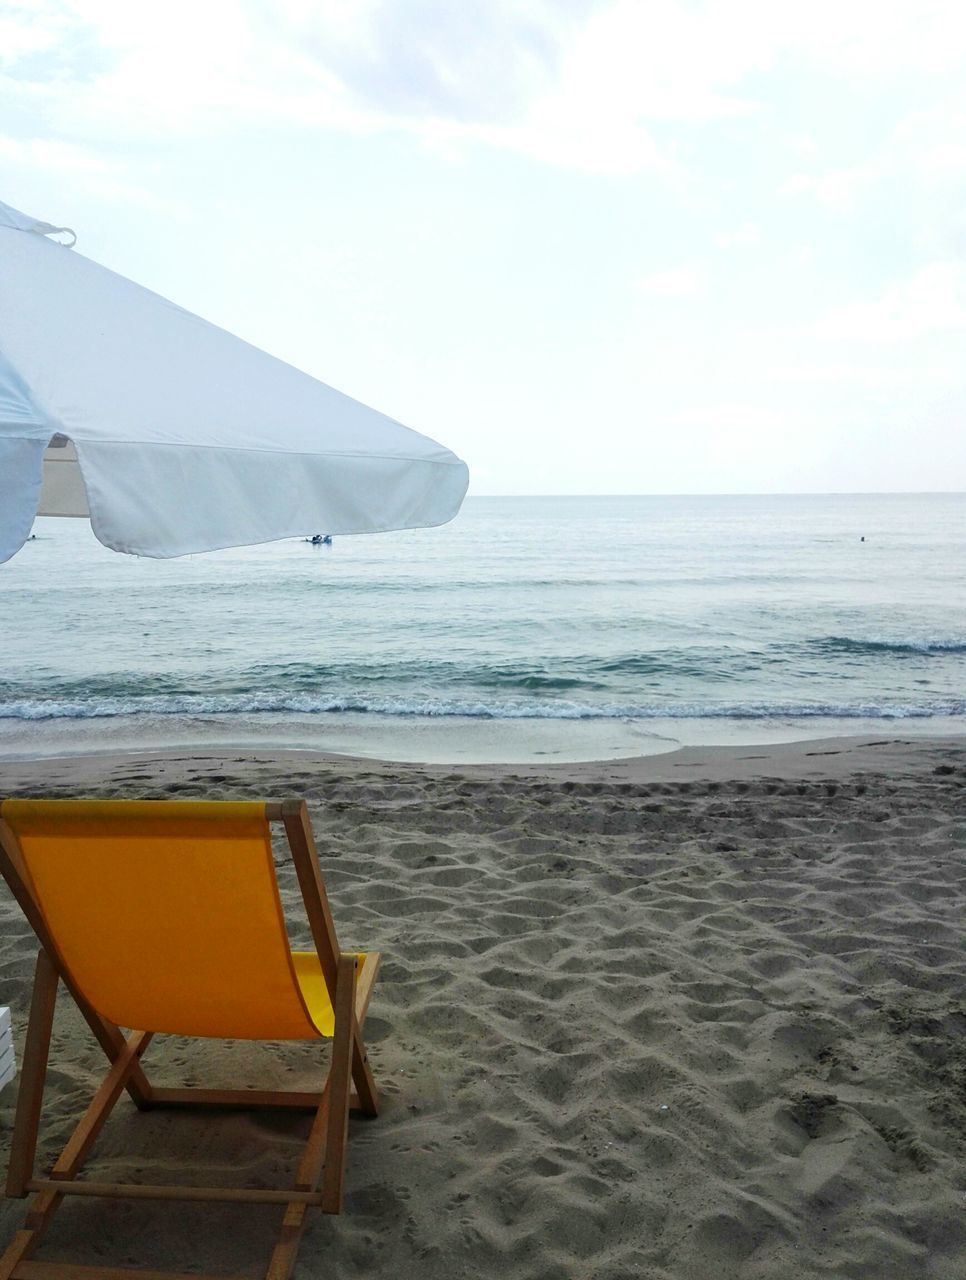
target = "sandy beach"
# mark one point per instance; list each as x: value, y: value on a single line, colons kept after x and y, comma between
x: 695, y: 1016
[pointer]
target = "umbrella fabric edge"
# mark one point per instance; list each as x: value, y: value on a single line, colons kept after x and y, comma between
x: 21, y: 474
x: 162, y: 502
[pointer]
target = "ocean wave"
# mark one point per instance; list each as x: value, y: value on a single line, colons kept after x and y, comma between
x: 616, y: 679
x: 293, y: 678
x: 200, y: 705
x: 875, y: 645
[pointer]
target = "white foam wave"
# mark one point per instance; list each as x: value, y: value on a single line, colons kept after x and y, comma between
x: 195, y: 705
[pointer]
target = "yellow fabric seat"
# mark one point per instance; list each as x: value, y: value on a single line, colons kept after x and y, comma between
x: 128, y: 888
x: 311, y: 980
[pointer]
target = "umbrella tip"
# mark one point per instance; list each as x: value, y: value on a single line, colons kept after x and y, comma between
x: 10, y: 217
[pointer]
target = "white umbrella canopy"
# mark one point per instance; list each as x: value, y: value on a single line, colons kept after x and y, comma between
x: 173, y: 435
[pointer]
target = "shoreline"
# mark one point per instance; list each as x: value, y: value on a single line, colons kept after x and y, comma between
x: 813, y: 758
x: 454, y: 742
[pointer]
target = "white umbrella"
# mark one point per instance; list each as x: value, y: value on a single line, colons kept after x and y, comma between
x: 175, y: 436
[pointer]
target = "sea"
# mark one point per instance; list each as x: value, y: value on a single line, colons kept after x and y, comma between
x: 528, y: 629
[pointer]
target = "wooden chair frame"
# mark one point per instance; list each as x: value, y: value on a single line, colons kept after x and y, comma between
x: 319, y: 1177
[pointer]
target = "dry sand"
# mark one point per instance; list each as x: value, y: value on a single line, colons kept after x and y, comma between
x: 691, y: 1017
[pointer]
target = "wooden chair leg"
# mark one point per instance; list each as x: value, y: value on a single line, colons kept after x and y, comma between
x: 342, y: 1054
x: 325, y: 1149
x: 100, y: 1107
x: 112, y: 1041
x: 23, y: 1145
x: 307, y: 1177
x: 46, y: 1202
x: 368, y: 1094
x: 20, y: 1248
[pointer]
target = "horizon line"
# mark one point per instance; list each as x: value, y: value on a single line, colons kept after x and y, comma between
x: 750, y: 493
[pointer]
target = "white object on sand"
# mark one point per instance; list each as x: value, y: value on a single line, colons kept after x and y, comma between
x: 175, y: 436
x: 8, y: 1065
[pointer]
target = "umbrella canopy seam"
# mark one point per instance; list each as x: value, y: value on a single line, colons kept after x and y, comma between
x: 366, y: 455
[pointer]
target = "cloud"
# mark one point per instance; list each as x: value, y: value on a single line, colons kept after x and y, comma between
x: 873, y: 376
x: 837, y: 189
x: 676, y: 282
x: 880, y: 38
x: 736, y: 417
x: 487, y: 73
x: 932, y: 139
x: 739, y: 438
x: 933, y: 301
x: 27, y: 29
x: 581, y: 84
x: 537, y: 78
x: 572, y: 84
x: 924, y: 148
x: 105, y: 176
x: 414, y: 58
x: 748, y: 233
x: 50, y: 153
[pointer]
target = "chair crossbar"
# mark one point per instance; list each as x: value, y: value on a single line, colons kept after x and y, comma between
x: 241, y: 1100
x: 145, y: 1191
x: 73, y: 1271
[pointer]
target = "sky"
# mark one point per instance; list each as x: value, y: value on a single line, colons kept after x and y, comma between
x: 626, y: 246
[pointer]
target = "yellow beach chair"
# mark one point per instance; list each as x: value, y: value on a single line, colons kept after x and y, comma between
x: 165, y: 916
